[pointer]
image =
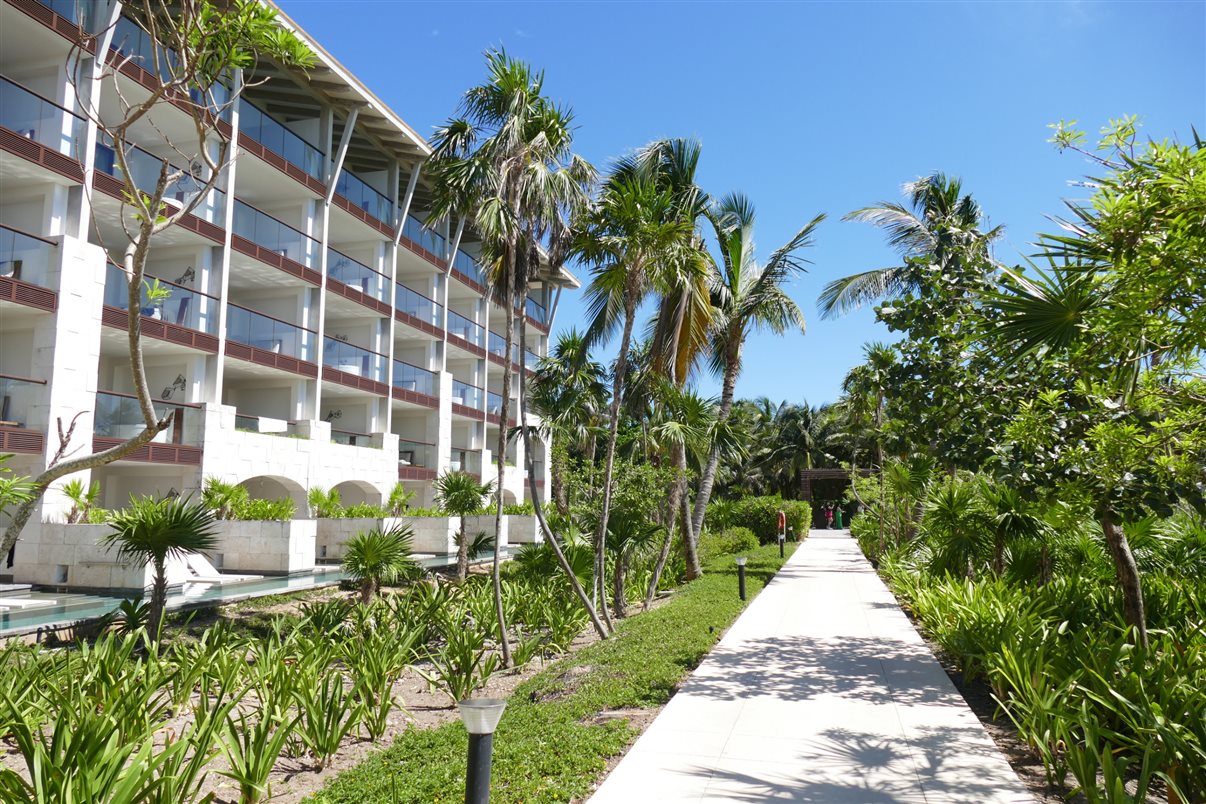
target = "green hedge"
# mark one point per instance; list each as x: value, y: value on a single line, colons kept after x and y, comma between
x: 761, y: 515
x: 726, y: 542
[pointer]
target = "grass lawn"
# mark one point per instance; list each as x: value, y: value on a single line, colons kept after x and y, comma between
x: 549, y: 746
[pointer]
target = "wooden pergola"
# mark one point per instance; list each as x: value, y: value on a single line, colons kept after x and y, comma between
x: 809, y: 475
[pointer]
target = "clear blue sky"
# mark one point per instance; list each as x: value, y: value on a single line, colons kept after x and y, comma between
x: 807, y: 108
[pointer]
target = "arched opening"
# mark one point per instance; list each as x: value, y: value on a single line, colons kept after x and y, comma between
x: 275, y: 487
x: 358, y: 492
x: 509, y: 497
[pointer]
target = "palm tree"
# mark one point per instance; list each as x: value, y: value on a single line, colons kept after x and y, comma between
x: 461, y: 494
x: 637, y: 242
x: 940, y: 225
x: 151, y: 531
x: 83, y: 499
x: 375, y: 555
x: 507, y: 164
x: 866, y: 387
x: 747, y: 296
x: 569, y: 392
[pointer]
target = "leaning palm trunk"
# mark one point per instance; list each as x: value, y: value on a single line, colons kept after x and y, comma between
x: 709, y: 474
x: 677, y: 492
x: 538, y: 507
x: 609, y: 467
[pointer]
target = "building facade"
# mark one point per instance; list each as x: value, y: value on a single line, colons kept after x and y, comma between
x: 318, y: 330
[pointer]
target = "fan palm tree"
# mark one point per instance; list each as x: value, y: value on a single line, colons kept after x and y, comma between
x: 151, y: 531
x: 461, y: 494
x: 637, y: 242
x: 748, y: 295
x: 375, y: 555
x: 941, y: 224
x: 507, y: 164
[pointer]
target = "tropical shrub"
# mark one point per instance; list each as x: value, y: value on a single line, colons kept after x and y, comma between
x: 726, y: 542
x: 761, y: 515
x: 376, y: 556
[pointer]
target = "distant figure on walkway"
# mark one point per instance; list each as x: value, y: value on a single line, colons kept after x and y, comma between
x: 838, y: 514
x: 829, y: 515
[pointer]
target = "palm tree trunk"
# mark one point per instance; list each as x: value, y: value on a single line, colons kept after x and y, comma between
x: 1127, y: 572
x: 618, y: 584
x: 158, y: 599
x: 366, y: 590
x: 709, y: 474
x: 462, y: 552
x: 677, y: 490
x: 556, y: 465
x: 609, y: 467
x: 538, y: 507
x: 504, y: 643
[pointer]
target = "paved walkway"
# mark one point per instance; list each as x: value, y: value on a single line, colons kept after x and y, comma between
x: 821, y: 691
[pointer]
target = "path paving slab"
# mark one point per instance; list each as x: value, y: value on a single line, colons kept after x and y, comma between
x: 822, y: 691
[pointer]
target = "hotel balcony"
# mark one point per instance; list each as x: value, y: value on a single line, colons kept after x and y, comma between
x: 43, y: 134
x: 185, y: 317
x: 25, y: 266
x: 415, y: 385
x: 268, y: 341
x: 18, y: 395
x: 118, y: 417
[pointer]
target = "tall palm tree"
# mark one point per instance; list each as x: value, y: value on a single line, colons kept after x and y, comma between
x: 461, y: 494
x: 637, y: 243
x: 569, y: 392
x: 375, y: 555
x: 151, y: 531
x: 866, y: 387
x: 507, y: 163
x: 941, y: 224
x: 748, y: 295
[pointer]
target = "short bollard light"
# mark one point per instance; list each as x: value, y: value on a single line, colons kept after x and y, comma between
x: 480, y: 716
x: 741, y: 576
x: 782, y: 542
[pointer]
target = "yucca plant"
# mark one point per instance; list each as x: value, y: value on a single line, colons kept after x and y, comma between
x: 463, y: 665
x: 375, y: 556
x: 376, y: 659
x: 956, y: 527
x: 399, y: 498
x: 151, y: 531
x: 253, y: 745
x: 460, y: 494
x: 323, y: 503
x: 327, y: 713
x: 223, y: 498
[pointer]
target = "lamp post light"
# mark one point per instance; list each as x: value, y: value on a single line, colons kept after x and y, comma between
x: 480, y: 716
x: 741, y: 576
x: 782, y: 541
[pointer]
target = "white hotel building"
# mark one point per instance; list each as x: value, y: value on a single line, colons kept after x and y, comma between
x: 317, y: 333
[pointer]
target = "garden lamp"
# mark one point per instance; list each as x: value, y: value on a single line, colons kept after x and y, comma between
x: 480, y: 716
x: 741, y: 576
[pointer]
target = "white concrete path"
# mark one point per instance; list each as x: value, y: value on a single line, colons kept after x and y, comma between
x: 821, y: 691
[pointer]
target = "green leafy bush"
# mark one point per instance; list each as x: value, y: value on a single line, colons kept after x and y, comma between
x: 727, y: 542
x: 264, y: 510
x: 760, y: 515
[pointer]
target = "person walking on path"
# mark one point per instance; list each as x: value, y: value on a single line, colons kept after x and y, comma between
x: 829, y: 516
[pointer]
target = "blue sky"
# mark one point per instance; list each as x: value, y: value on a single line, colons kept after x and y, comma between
x: 808, y: 108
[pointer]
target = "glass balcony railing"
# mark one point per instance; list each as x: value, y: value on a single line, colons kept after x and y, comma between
x: 277, y: 138
x: 464, y: 328
x: 417, y: 233
x: 270, y: 426
x: 360, y: 194
x: 416, y: 453
x: 350, y: 439
x: 469, y: 267
x: 353, y: 360
x: 536, y: 311
x: 466, y: 460
x: 119, y: 416
x: 265, y: 230
x: 81, y: 12
x: 183, y: 307
x: 264, y: 332
x: 25, y: 257
x: 134, y: 43
x: 416, y: 304
x: 413, y: 378
x: 531, y: 359
x: 40, y: 120
x: 465, y: 394
x: 145, y: 167
x: 17, y: 398
x: 494, y: 403
x: 348, y: 271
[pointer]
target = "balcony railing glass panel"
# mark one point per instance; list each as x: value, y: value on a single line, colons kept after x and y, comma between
x: 465, y: 394
x: 81, y: 12
x: 416, y: 233
x: 416, y: 304
x: 531, y: 358
x: 413, y: 378
x: 353, y: 359
x: 263, y: 332
x: 465, y: 460
x: 416, y: 453
x: 536, y: 311
x: 134, y: 43
x: 354, y: 189
x: 119, y: 416
x: 276, y: 137
x: 40, y: 120
x: 494, y: 403
x: 350, y: 439
x: 464, y: 328
x: 17, y: 398
x: 348, y: 271
x: 265, y: 230
x: 183, y: 307
x: 145, y: 167
x: 25, y: 257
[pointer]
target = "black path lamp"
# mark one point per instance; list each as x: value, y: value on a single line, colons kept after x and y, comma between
x: 741, y: 576
x: 480, y: 716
